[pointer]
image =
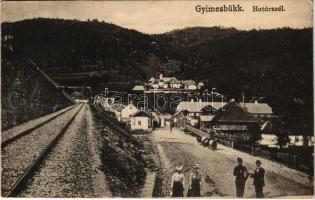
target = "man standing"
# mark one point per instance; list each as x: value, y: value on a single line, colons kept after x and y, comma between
x: 240, y: 173
x: 259, y: 179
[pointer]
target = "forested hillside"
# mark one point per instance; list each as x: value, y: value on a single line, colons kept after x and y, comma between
x: 274, y: 66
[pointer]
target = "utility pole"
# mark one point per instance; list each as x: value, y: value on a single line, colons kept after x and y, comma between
x: 243, y: 94
x: 212, y: 90
x: 106, y: 91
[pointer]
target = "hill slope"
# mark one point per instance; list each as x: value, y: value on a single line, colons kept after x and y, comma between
x: 272, y: 65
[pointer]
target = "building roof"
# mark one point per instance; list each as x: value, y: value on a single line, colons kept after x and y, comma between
x: 197, y: 106
x: 142, y: 113
x: 267, y: 127
x: 183, y: 112
x: 138, y: 88
x: 165, y: 115
x: 189, y: 82
x: 206, y: 118
x: 175, y: 81
x: 168, y: 79
x: 258, y: 108
x: 152, y: 79
x: 128, y: 106
x: 118, y: 106
x: 234, y: 112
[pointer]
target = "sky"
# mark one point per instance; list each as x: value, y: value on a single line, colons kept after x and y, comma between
x: 162, y: 16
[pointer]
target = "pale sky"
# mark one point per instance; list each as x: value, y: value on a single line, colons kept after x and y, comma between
x: 163, y: 16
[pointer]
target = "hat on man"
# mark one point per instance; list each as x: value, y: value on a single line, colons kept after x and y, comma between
x: 239, y: 159
x: 258, y: 162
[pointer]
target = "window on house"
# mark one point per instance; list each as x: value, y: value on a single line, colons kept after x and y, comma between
x: 139, y: 122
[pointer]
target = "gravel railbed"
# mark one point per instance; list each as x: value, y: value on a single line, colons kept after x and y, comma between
x: 5, y: 135
x: 67, y: 171
x: 19, y: 155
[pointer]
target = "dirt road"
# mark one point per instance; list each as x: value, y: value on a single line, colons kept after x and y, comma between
x: 179, y: 148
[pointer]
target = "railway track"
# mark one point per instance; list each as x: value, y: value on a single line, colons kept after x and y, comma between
x: 8, y: 138
x: 24, y: 153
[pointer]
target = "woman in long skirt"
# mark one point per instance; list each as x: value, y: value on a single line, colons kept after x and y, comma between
x: 177, y: 184
x: 194, y: 182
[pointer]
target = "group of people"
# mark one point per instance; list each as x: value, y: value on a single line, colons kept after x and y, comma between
x: 178, y: 182
x: 240, y: 172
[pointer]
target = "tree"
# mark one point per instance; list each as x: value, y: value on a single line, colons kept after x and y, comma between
x: 254, y: 133
x: 281, y: 131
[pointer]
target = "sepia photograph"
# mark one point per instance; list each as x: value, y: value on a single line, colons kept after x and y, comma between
x: 157, y: 99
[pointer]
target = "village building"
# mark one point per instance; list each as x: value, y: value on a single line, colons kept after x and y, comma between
x: 179, y: 118
x: 269, y: 137
x: 200, y: 113
x: 138, y: 88
x: 165, y: 119
x: 206, y: 122
x: 141, y: 120
x: 117, y: 109
x: 175, y: 84
x: 234, y: 122
x: 172, y: 84
x: 200, y: 85
x: 260, y: 110
x: 190, y: 85
x: 197, y: 108
x: 151, y: 80
x: 128, y: 111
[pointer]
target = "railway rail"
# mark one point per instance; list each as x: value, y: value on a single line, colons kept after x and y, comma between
x: 9, y: 139
x: 24, y: 153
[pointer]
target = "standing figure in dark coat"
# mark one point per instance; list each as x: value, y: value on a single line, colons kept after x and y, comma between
x: 259, y: 180
x: 240, y: 173
x: 177, y: 184
x: 194, y: 182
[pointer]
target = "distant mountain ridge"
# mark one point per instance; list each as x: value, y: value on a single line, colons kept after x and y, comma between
x: 274, y: 65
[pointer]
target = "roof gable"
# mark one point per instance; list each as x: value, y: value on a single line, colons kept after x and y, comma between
x: 138, y: 87
x: 130, y: 107
x: 258, y: 108
x: 233, y: 112
x: 142, y: 113
x: 198, y: 106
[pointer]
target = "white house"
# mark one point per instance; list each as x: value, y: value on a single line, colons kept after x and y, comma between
x: 151, y: 80
x: 161, y: 83
x: 200, y: 85
x: 175, y: 84
x: 155, y: 85
x: 128, y: 111
x: 165, y: 119
x: 300, y: 140
x: 269, y: 138
x: 190, y: 84
x: 141, y: 121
